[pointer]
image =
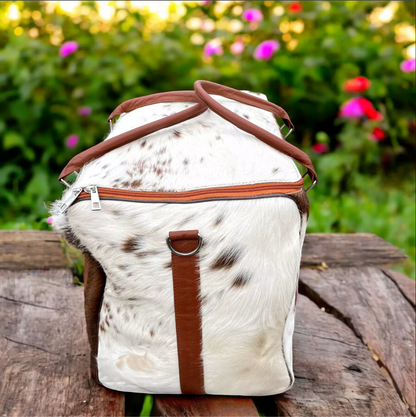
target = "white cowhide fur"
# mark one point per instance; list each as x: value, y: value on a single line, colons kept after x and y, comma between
x: 249, y: 262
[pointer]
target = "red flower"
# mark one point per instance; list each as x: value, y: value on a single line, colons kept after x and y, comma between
x: 357, y: 85
x: 373, y: 114
x: 320, y: 148
x: 369, y: 110
x: 378, y: 134
x: 295, y: 7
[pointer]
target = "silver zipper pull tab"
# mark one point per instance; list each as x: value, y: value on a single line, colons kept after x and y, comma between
x: 75, y: 192
x: 95, y: 197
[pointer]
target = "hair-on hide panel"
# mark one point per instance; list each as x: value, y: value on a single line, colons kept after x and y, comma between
x: 249, y: 262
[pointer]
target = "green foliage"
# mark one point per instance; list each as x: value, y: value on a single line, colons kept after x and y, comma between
x: 135, y: 54
x: 147, y: 406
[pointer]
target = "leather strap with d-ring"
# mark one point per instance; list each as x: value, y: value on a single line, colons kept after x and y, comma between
x: 184, y: 246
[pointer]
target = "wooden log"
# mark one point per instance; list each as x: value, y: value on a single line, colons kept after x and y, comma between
x: 355, y: 249
x: 44, y: 350
x: 406, y: 285
x: 335, y: 373
x: 172, y: 406
x: 31, y: 249
x: 373, y: 306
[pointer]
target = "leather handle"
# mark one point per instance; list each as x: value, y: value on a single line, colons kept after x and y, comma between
x: 204, y: 88
x: 202, y: 97
x: 135, y: 103
x: 209, y: 87
x: 102, y: 148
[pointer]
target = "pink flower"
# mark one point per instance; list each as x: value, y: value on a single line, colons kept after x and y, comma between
x: 253, y: 15
x: 295, y: 7
x: 212, y: 48
x: 68, y: 48
x: 72, y: 141
x: 49, y: 220
x: 237, y: 47
x: 357, y: 85
x: 203, y: 3
x: 358, y: 107
x: 378, y: 134
x: 266, y: 49
x: 320, y: 148
x: 409, y: 65
x: 352, y: 108
x: 84, y: 111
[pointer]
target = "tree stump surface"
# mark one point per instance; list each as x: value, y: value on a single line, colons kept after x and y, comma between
x: 353, y: 344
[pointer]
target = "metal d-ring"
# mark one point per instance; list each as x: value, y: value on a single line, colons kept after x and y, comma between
x: 64, y: 182
x: 288, y: 133
x: 196, y: 250
x: 312, y: 185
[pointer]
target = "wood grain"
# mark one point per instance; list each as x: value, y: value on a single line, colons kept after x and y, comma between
x: 42, y: 250
x: 355, y: 249
x: 169, y: 405
x: 406, y: 285
x: 44, y: 350
x: 31, y: 249
x: 373, y: 306
x: 335, y: 373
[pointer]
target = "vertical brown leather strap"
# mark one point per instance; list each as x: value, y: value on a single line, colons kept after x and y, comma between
x: 186, y: 288
x: 94, y: 283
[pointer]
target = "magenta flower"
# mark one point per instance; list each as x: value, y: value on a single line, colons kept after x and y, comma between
x: 266, y: 50
x: 68, y: 48
x: 409, y: 65
x: 72, y: 141
x: 49, y: 220
x: 253, y: 15
x: 352, y: 108
x: 84, y: 111
x: 320, y: 148
x: 212, y: 48
x: 237, y: 47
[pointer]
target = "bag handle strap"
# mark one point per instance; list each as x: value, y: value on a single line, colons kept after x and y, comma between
x: 204, y: 88
x: 202, y: 97
x: 102, y: 148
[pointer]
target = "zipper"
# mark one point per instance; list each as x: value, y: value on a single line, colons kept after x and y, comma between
x: 95, y: 194
x: 95, y: 197
x: 75, y: 192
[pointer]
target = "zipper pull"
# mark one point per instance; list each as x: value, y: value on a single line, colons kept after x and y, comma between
x: 69, y: 200
x: 95, y: 197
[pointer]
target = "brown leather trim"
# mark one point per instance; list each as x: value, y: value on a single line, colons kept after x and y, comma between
x: 94, y: 283
x: 250, y: 190
x: 186, y: 288
x: 102, y: 148
x: 204, y: 88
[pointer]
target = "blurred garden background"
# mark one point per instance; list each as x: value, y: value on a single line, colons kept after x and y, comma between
x: 344, y: 71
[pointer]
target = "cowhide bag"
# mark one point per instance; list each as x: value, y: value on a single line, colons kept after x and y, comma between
x: 191, y: 215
